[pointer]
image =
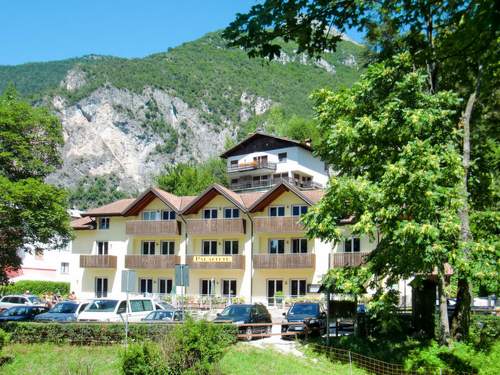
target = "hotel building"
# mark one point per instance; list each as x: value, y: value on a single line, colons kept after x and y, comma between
x: 245, y: 241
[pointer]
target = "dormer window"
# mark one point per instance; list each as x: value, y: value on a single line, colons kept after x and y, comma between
x: 210, y: 213
x: 168, y: 215
x: 299, y: 210
x: 277, y: 211
x: 104, y: 223
x: 151, y: 215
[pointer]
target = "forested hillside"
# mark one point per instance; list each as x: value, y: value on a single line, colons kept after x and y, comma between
x: 126, y: 119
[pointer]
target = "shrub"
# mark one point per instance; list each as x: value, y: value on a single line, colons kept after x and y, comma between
x: 37, y: 287
x: 484, y: 331
x: 142, y: 359
x: 83, y: 333
x: 4, y: 339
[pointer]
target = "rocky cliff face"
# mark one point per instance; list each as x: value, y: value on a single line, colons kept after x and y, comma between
x: 115, y: 131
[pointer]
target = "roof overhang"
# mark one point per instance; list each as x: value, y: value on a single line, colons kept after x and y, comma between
x: 274, y: 193
x: 196, y: 205
x: 143, y: 200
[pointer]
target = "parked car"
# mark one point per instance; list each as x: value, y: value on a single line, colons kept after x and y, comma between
x: 164, y: 306
x: 309, y: 313
x: 21, y: 313
x: 16, y: 300
x: 66, y: 311
x: 116, y: 310
x: 246, y: 314
x: 164, y: 316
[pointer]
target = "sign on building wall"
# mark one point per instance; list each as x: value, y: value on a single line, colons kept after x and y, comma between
x: 212, y: 259
x: 181, y: 275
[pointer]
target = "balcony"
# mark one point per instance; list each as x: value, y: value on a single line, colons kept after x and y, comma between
x: 273, y: 261
x: 151, y: 261
x: 270, y: 182
x: 278, y: 224
x: 98, y: 261
x: 215, y: 226
x: 216, y: 262
x: 251, y: 166
x: 152, y: 227
x: 348, y: 259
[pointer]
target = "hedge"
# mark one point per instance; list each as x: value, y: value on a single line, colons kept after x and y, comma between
x: 89, y: 333
x: 36, y: 287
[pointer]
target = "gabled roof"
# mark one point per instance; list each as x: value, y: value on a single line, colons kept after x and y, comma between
x: 310, y: 197
x: 172, y: 201
x: 111, y: 209
x: 212, y: 191
x: 263, y: 142
x: 83, y: 223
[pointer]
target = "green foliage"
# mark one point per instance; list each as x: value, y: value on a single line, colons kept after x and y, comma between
x: 383, y: 314
x: 36, y: 287
x: 347, y: 280
x: 4, y: 339
x: 83, y: 333
x: 484, y: 331
x: 192, y: 179
x: 191, y: 348
x: 95, y: 191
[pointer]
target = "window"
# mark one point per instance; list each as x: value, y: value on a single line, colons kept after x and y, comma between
x: 277, y: 211
x: 276, y: 246
x: 146, y: 286
x: 210, y: 213
x: 299, y: 245
x: 151, y: 215
x: 139, y: 305
x: 228, y: 288
x: 122, y: 307
x: 102, y: 247
x: 297, y: 288
x: 65, y: 267
x: 207, y: 287
x: 352, y: 244
x: 101, y: 287
x: 209, y: 247
x: 167, y: 247
x: 299, y: 210
x: 148, y: 247
x: 165, y: 286
x: 230, y: 247
x: 282, y: 157
x: 104, y: 223
x: 234, y: 163
x: 168, y: 215
x: 231, y: 213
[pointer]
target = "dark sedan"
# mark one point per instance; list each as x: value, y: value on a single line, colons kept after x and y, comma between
x: 309, y: 313
x: 21, y: 313
x: 247, y: 314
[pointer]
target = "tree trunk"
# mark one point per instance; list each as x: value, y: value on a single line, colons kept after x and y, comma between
x: 461, y: 315
x: 444, y: 323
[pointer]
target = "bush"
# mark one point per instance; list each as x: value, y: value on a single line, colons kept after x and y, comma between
x: 4, y: 339
x: 191, y: 348
x: 484, y: 331
x: 83, y: 333
x: 37, y: 287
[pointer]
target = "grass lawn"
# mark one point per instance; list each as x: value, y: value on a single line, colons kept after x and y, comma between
x: 244, y: 359
x: 65, y: 360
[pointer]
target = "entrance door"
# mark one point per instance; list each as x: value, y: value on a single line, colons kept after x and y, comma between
x: 274, y: 287
x: 101, y: 287
x: 146, y: 286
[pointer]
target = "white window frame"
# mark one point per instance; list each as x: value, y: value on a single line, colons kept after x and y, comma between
x: 277, y: 250
x: 105, y: 247
x: 235, y: 288
x: 211, y: 247
x: 149, y: 242
x: 153, y: 215
x: 212, y: 210
x: 298, y: 287
x: 171, y: 247
x: 300, y: 206
x: 300, y: 241
x: 146, y: 279
x: 172, y: 215
x: 105, y: 295
x: 232, y: 211
x: 211, y: 287
x: 64, y: 268
x: 166, y: 280
x: 351, y: 239
x: 103, y: 219
x: 277, y: 211
x: 232, y: 243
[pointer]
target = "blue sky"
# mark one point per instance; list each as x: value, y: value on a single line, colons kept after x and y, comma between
x: 43, y: 30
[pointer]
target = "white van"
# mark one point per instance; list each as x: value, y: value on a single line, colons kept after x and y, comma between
x: 115, y: 310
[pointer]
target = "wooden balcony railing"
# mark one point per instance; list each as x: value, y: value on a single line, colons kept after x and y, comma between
x: 97, y: 261
x: 235, y: 262
x: 348, y: 259
x: 151, y: 261
x: 262, y: 261
x: 278, y: 224
x: 216, y: 226
x: 151, y: 227
x: 242, y: 167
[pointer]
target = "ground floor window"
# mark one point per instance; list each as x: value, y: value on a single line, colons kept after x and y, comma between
x: 228, y: 288
x: 146, y: 286
x: 101, y: 287
x: 65, y: 267
x: 298, y: 288
x: 207, y: 287
x: 274, y: 292
x: 165, y: 286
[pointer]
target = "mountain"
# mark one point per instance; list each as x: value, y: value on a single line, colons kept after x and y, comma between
x: 124, y: 119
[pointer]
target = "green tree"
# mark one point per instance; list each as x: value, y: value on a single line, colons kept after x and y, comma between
x: 32, y: 213
x: 456, y: 41
x: 192, y: 179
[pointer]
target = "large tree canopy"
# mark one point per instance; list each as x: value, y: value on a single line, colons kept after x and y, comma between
x: 32, y: 213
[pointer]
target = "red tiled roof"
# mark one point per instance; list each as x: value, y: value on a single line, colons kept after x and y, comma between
x: 85, y: 222
x: 111, y: 209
